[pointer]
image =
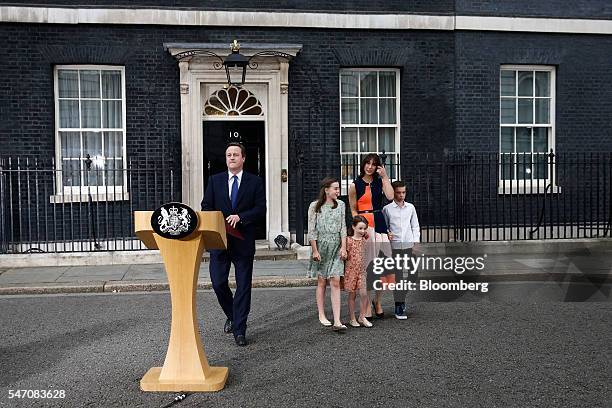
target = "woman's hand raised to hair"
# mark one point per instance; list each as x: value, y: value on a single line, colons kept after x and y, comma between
x: 382, y: 172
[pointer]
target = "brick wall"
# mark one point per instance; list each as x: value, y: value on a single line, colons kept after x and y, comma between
x: 425, y: 59
x: 530, y: 8
x: 584, y: 83
x: 449, y: 86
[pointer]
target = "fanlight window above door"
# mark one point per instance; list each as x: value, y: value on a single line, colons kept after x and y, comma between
x: 233, y: 102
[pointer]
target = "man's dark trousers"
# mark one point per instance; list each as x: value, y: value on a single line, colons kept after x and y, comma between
x: 235, y: 307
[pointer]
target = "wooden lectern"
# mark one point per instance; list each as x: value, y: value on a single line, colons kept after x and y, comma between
x: 186, y: 367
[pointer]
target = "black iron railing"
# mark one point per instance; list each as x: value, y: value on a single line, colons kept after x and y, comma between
x: 513, y: 196
x: 86, y: 206
x: 458, y: 197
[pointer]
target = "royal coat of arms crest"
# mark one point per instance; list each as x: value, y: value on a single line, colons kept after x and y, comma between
x: 174, y: 220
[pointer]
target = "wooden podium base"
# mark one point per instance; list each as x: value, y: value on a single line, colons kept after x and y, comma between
x: 214, y: 381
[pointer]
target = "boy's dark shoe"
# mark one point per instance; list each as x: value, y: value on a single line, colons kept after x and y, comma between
x: 400, y: 312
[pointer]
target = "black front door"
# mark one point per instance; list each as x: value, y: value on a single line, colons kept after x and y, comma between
x: 217, y: 134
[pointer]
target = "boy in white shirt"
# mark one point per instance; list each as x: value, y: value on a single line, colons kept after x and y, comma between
x: 404, y: 232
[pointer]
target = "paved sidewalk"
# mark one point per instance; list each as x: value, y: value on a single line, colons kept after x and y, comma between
x: 585, y: 265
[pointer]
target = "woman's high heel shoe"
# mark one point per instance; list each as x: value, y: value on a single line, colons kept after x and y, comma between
x: 379, y: 315
x: 339, y: 328
x: 325, y: 322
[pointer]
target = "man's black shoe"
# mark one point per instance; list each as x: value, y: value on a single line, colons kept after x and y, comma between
x: 227, y: 327
x: 240, y: 340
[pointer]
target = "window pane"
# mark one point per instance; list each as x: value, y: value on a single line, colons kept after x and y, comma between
x: 69, y: 113
x: 508, y: 83
x: 391, y: 166
x: 368, y: 83
x: 369, y: 111
x: 506, y: 168
x: 523, y: 166
x: 90, y: 114
x: 70, y: 145
x: 349, y: 140
x: 540, y: 140
x: 90, y: 84
x: 112, y: 117
x: 507, y: 140
x: 541, y: 161
x: 113, y: 144
x: 111, y: 84
x: 523, y: 140
x: 386, y: 140
x: 349, y: 84
x: 92, y: 145
x: 387, y: 83
x: 525, y: 83
x: 387, y: 111
x: 349, y: 110
x: 350, y: 167
x: 114, y: 173
x: 367, y: 140
x: 68, y: 83
x: 93, y: 176
x: 542, y: 111
x: 542, y: 84
x: 525, y: 111
x: 508, y: 110
x: 70, y: 173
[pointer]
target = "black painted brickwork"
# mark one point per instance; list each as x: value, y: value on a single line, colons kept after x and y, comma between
x: 536, y: 8
x: 583, y: 86
x: 449, y: 86
x: 153, y: 105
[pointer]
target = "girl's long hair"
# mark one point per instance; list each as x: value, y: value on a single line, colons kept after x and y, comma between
x: 325, y: 183
x: 356, y: 220
x: 370, y: 157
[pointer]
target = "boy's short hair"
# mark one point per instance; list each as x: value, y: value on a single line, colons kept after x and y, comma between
x: 398, y: 183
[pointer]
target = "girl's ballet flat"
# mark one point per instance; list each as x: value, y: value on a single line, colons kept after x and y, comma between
x: 354, y: 323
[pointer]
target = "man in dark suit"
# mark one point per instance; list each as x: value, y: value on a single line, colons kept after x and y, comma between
x: 242, y: 199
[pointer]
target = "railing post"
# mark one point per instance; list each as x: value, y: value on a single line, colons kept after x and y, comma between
x: 299, y: 192
x: 3, y: 231
x: 88, y: 162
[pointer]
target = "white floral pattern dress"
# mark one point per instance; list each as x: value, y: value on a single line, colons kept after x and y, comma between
x: 328, y: 228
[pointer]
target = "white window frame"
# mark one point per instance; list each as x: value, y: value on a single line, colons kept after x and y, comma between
x: 397, y: 125
x: 68, y: 194
x: 532, y: 186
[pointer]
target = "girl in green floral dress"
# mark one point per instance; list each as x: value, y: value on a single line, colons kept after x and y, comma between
x: 327, y: 233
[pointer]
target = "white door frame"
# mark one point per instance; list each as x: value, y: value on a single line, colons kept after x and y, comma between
x: 272, y: 72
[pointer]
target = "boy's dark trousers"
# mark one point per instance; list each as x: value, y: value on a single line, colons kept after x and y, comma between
x: 399, y: 296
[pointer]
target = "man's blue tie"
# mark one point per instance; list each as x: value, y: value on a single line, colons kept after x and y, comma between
x: 234, y: 193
